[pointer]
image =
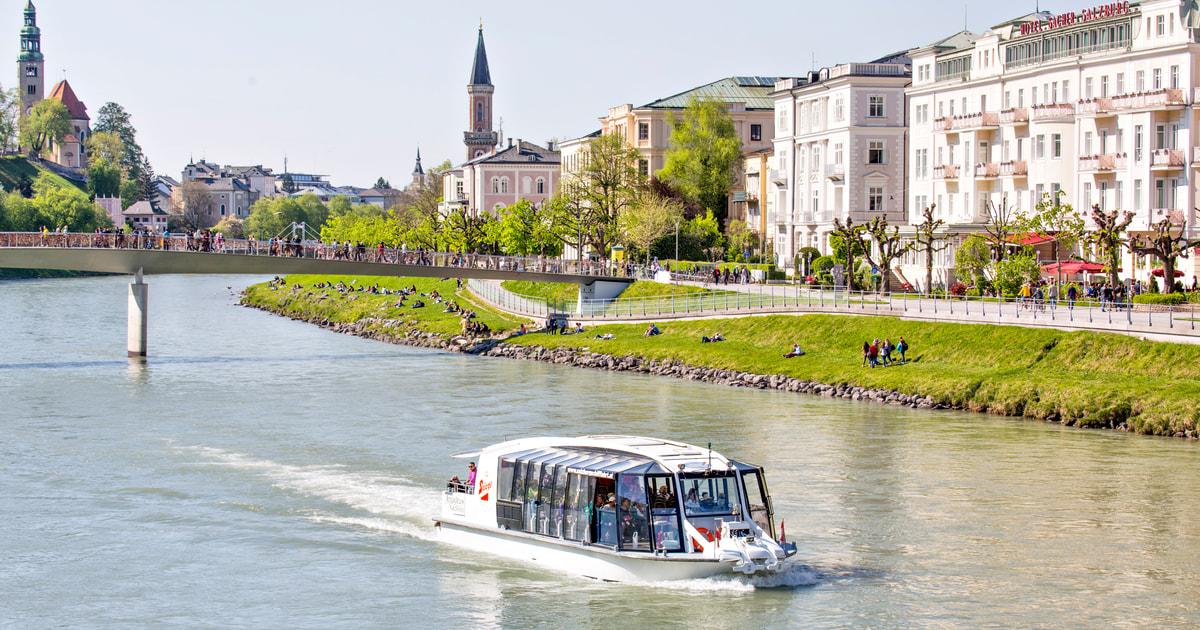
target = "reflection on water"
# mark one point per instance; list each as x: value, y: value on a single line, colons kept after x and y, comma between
x: 260, y: 472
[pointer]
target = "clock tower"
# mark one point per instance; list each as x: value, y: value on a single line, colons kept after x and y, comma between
x: 480, y: 136
x: 31, y: 63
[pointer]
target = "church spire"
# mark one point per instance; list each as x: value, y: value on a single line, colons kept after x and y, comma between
x: 479, y: 70
x: 417, y: 170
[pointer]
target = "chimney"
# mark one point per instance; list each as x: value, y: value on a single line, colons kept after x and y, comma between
x: 510, y: 143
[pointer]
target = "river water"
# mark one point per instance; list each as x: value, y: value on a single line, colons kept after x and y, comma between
x: 258, y: 472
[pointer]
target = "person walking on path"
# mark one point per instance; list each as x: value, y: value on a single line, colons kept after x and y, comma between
x: 1071, y: 294
x: 866, y: 352
x: 902, y: 346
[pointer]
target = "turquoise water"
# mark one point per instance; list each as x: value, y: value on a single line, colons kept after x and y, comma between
x: 257, y: 472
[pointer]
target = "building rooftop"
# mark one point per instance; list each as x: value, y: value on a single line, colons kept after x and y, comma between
x: 75, y: 107
x: 519, y: 153
x: 753, y: 91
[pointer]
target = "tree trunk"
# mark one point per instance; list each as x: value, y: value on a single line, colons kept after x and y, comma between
x: 929, y: 268
x: 1168, y: 284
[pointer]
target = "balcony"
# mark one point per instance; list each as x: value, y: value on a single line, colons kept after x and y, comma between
x: 1099, y: 107
x: 1166, y: 159
x: 835, y: 172
x: 987, y: 170
x: 1015, y: 116
x: 1016, y: 168
x: 778, y: 176
x: 982, y: 120
x: 893, y: 216
x: 1051, y: 112
x: 1149, y: 100
x: 948, y: 171
x: 1103, y: 163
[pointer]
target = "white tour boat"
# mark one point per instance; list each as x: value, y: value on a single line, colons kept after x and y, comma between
x: 615, y: 507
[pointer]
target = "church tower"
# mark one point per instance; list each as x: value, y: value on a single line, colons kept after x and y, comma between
x: 30, y: 63
x: 418, y: 174
x: 480, y: 137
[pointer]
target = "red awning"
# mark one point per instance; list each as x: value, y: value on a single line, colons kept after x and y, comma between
x: 1159, y: 272
x: 1073, y: 267
x: 1029, y: 238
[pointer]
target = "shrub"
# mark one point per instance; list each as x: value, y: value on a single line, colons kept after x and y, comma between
x: 1171, y: 299
x: 823, y: 263
x: 958, y: 289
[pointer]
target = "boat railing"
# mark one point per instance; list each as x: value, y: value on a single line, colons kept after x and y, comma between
x: 458, y: 486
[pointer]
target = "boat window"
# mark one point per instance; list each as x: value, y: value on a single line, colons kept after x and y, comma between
x: 545, y: 499
x: 504, y: 479
x: 534, y: 476
x: 632, y: 513
x: 664, y: 512
x: 759, y: 500
x: 704, y: 496
x: 560, y: 498
x: 518, y: 489
x: 579, y: 507
x: 606, y: 512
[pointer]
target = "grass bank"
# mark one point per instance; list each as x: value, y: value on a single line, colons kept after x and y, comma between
x: 1078, y: 378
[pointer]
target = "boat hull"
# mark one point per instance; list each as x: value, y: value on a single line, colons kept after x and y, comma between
x: 573, y: 558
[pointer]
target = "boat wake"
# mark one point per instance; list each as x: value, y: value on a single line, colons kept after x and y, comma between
x: 393, y: 504
x: 791, y: 576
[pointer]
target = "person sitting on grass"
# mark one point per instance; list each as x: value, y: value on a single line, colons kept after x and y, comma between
x: 796, y: 352
x: 712, y: 339
x: 604, y: 336
x: 652, y: 331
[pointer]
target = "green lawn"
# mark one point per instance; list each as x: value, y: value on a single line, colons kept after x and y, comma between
x: 14, y: 166
x: 1079, y: 378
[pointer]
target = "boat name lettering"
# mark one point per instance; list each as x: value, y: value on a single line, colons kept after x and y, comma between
x: 484, y: 486
x: 592, y: 473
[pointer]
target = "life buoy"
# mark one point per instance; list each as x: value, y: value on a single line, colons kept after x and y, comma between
x: 706, y: 534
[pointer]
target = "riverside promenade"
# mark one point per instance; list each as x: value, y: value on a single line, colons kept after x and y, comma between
x: 1156, y: 323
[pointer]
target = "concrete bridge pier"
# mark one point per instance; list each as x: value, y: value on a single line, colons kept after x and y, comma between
x: 598, y: 290
x: 138, y: 298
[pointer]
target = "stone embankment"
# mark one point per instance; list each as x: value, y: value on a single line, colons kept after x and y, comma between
x: 394, y: 331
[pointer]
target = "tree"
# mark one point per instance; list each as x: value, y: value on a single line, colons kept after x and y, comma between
x: 10, y: 116
x: 648, y: 220
x: 929, y: 242
x: 57, y: 206
x: 1108, y: 240
x: 739, y: 238
x: 49, y: 121
x: 467, y: 231
x: 288, y: 185
x: 1057, y: 221
x: 104, y: 178
x: 852, y: 244
x: 232, y: 227
x: 973, y: 258
x: 1015, y: 271
x: 105, y: 146
x: 382, y: 184
x: 569, y: 215
x: 599, y: 192
x: 112, y: 118
x: 999, y: 227
x: 704, y: 149
x: 1166, y: 246
x: 147, y: 190
x: 193, y: 211
x: 888, y: 248
x: 524, y: 230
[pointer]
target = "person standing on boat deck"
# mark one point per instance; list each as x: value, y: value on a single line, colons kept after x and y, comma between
x: 471, y: 476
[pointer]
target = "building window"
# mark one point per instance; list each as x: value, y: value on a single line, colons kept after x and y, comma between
x: 838, y: 110
x: 755, y: 133
x: 783, y: 119
x: 541, y: 186
x: 1137, y: 195
x: 1056, y: 145
x: 876, y: 107
x: 503, y: 184
x: 875, y: 199
x: 875, y: 152
x: 1140, y: 78
x: 31, y: 89
x: 816, y: 205
x: 1161, y: 29
x: 495, y: 184
x: 643, y: 131
x: 1138, y: 141
x: 478, y: 111
x: 837, y: 153
x: 1158, y: 78
x: 1039, y: 147
x: 31, y: 71
x: 1087, y: 88
x: 458, y: 190
x: 526, y: 185
x: 1160, y: 193
x: 1174, y: 77
x: 644, y: 167
x: 1120, y: 83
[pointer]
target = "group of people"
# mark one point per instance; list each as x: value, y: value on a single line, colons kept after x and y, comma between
x: 651, y: 331
x: 880, y: 354
x: 560, y: 326
x: 716, y: 337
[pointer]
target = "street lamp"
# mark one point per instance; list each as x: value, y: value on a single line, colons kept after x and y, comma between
x: 676, y: 245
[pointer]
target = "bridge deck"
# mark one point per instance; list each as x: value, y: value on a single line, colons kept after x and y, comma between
x: 182, y: 255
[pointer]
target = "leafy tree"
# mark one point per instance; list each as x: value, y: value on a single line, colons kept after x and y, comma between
x: 10, y: 116
x: 600, y: 191
x: 371, y: 229
x: 271, y: 217
x: 1016, y: 270
x: 973, y: 258
x: 929, y: 242
x: 382, y: 184
x: 851, y: 245
x: 1000, y: 227
x: 569, y: 216
x: 58, y: 206
x: 288, y: 185
x: 105, y: 146
x: 1107, y: 240
x: 524, y: 230
x: 468, y: 231
x: 739, y: 238
x: 193, y: 211
x: 1167, y: 245
x: 699, y: 237
x: 130, y: 193
x: 112, y: 118
x: 49, y: 121
x: 232, y: 227
x: 648, y: 220
x: 104, y: 178
x: 705, y: 148
x: 1057, y: 221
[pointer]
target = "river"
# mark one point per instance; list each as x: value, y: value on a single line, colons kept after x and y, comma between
x: 258, y: 472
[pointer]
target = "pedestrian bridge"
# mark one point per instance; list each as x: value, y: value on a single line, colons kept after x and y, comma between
x: 156, y: 254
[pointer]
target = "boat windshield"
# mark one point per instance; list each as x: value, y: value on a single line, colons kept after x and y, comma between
x: 709, y: 495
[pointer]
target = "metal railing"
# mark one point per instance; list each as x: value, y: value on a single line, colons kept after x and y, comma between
x: 316, y: 251
x: 732, y: 299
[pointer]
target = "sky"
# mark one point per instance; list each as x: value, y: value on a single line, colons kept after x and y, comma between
x: 352, y: 88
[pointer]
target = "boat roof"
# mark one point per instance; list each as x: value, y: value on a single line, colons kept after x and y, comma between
x: 623, y: 454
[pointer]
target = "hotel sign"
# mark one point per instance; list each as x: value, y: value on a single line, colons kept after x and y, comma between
x: 1067, y: 19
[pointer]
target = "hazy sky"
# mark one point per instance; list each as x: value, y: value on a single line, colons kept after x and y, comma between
x: 351, y: 88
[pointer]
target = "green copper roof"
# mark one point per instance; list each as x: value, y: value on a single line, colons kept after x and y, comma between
x: 753, y: 91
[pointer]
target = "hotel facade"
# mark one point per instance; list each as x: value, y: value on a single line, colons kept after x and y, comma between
x: 1098, y: 106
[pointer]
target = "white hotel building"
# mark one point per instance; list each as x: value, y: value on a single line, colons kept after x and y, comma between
x: 839, y: 152
x: 1099, y: 104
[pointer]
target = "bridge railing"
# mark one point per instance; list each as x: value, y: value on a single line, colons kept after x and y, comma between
x: 1082, y: 313
x: 316, y: 250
